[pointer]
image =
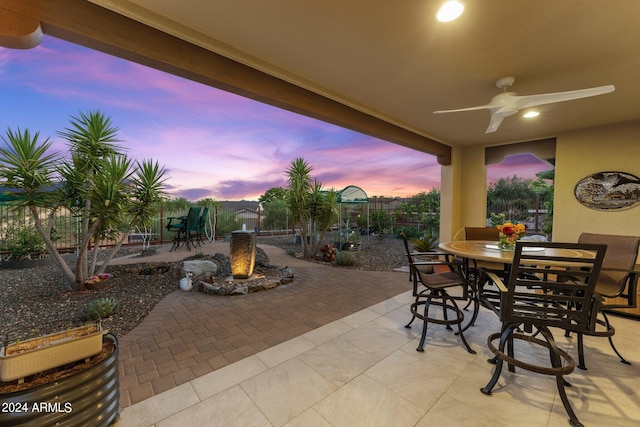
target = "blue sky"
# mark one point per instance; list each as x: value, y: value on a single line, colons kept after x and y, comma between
x: 212, y: 143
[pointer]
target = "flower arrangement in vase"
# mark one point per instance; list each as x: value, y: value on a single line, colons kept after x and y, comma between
x: 510, y: 233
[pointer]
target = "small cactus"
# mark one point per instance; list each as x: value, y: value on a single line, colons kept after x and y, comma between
x: 100, y: 308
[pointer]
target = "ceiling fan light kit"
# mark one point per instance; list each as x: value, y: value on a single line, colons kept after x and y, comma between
x: 449, y: 11
x: 507, y: 104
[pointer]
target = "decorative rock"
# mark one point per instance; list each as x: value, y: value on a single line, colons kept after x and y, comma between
x: 239, y: 290
x: 201, y: 269
x: 266, y: 277
x: 272, y: 284
x: 287, y: 273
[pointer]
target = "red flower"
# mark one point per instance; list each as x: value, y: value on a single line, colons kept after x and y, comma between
x: 508, y: 229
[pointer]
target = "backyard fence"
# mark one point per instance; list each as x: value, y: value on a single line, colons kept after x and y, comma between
x: 18, y: 237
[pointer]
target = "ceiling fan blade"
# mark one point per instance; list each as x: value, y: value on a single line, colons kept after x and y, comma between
x: 550, y: 98
x: 479, y: 107
x: 494, y: 124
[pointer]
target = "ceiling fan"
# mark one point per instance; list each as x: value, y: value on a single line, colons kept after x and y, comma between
x: 507, y: 104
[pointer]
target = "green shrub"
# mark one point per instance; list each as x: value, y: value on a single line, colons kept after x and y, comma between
x: 345, y: 258
x: 410, y: 232
x: 24, y: 242
x: 100, y: 308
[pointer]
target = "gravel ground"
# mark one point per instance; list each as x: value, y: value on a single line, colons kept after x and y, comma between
x: 34, y: 301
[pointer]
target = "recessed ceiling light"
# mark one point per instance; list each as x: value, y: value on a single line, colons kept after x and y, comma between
x: 531, y: 114
x: 450, y: 11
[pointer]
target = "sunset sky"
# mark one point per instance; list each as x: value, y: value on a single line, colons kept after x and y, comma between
x: 212, y: 143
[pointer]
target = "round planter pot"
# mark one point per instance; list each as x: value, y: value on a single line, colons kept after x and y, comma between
x: 90, y: 397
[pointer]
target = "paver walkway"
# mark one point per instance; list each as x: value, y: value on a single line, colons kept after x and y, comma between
x: 189, y: 334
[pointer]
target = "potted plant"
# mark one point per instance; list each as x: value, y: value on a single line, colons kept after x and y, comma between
x: 65, y: 378
x: 24, y: 358
x: 426, y: 243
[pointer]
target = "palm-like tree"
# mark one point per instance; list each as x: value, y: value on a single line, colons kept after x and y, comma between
x: 312, y: 208
x: 99, y: 184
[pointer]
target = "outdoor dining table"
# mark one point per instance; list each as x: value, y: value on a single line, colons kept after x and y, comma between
x: 488, y: 251
x: 487, y: 254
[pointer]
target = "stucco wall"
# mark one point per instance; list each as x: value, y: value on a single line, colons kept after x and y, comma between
x: 579, y: 154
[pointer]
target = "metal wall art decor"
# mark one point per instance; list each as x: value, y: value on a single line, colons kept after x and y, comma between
x: 608, y: 191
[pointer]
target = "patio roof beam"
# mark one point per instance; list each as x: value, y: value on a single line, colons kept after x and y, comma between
x: 87, y: 24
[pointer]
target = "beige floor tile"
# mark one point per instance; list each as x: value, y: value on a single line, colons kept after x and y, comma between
x: 287, y: 350
x: 420, y: 378
x: 361, y: 317
x: 392, y: 304
x: 452, y: 412
x: 229, y: 408
x: 378, y: 341
x: 338, y: 361
x: 328, y: 332
x: 309, y: 418
x: 158, y: 407
x: 364, y: 370
x: 287, y: 390
x: 228, y: 376
x: 520, y: 398
x: 364, y: 402
x: 395, y: 321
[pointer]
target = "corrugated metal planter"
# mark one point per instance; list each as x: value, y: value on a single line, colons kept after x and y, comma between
x: 88, y: 398
x: 50, y: 351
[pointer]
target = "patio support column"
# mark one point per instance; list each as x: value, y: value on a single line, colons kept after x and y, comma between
x: 463, y: 192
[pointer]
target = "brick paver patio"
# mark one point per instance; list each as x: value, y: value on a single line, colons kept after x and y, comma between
x: 189, y: 334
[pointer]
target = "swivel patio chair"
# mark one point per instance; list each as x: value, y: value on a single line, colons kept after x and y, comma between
x: 185, y: 229
x: 417, y: 256
x: 474, y: 272
x: 617, y: 282
x: 430, y: 289
x: 566, y: 303
x: 482, y: 233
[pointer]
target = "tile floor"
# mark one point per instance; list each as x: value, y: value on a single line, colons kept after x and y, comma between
x: 363, y: 370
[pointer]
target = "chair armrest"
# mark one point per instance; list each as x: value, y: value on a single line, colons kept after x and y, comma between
x: 431, y: 253
x: 495, y: 279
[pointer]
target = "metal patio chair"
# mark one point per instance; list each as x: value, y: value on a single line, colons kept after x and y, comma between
x: 539, y: 296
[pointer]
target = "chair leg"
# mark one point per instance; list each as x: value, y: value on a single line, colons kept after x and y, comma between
x: 415, y: 304
x: 581, y: 364
x: 460, y: 318
x: 425, y: 322
x: 556, y: 362
x: 609, y: 333
x: 476, y: 309
x: 176, y: 241
x: 610, y: 328
x: 506, y: 333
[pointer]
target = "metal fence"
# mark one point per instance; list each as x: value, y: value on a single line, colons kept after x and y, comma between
x: 19, y: 237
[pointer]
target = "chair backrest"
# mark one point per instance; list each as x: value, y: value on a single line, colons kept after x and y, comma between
x: 481, y: 233
x: 203, y: 220
x: 619, y: 261
x: 566, y: 273
x: 406, y: 245
x: 193, y: 218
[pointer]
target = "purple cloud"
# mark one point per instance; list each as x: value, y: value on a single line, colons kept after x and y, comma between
x: 213, y: 143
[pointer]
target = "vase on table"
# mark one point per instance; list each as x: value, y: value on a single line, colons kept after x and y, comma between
x: 508, y: 241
